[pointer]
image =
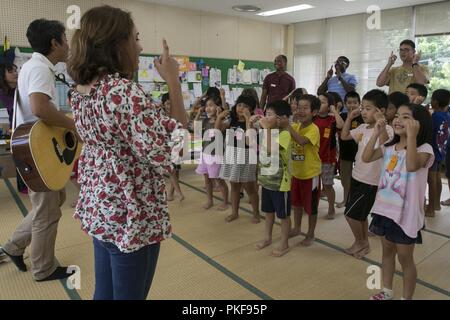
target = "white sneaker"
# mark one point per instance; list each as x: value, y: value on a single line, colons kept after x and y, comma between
x: 381, y: 296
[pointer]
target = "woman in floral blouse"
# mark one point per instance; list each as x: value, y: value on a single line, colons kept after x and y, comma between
x: 127, y: 148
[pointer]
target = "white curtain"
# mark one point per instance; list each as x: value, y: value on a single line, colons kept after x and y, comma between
x: 433, y: 18
x: 318, y: 44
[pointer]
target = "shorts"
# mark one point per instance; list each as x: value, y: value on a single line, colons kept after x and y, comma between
x: 391, y: 231
x: 360, y: 200
x: 306, y: 194
x: 276, y: 201
x: 209, y: 165
x: 436, y: 166
x: 327, y: 175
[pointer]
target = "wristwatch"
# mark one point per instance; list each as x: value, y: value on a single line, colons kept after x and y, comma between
x: 414, y: 64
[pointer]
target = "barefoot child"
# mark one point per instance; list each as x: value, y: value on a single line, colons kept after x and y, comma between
x: 328, y: 125
x: 365, y: 176
x: 240, y: 162
x: 348, y: 149
x: 398, y: 212
x: 276, y: 182
x: 210, y: 162
x: 306, y: 165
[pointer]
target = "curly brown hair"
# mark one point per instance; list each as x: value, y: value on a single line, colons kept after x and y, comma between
x: 103, y: 45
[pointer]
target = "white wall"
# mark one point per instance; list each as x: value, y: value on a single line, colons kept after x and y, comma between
x: 192, y: 33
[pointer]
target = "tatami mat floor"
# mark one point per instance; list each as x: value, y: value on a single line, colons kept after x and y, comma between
x: 211, y: 259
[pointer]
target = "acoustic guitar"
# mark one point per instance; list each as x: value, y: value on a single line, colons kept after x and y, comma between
x: 44, y: 155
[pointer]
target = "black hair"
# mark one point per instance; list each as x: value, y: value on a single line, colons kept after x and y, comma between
x: 6, y: 67
x: 314, y: 102
x: 41, y: 32
x: 329, y: 97
x: 336, y: 97
x: 217, y: 100
x: 422, y: 115
x: 284, y: 58
x: 345, y: 59
x: 423, y: 91
x: 352, y: 94
x: 165, y: 97
x: 297, y: 94
x: 398, y: 98
x: 251, y: 92
x: 281, y: 108
x: 378, y: 97
x: 247, y: 100
x: 213, y: 91
x: 408, y: 43
x: 442, y: 97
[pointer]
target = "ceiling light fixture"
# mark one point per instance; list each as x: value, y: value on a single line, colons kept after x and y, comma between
x: 285, y: 10
x: 246, y: 8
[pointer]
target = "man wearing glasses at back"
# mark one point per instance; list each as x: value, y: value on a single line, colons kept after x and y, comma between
x: 342, y: 82
x: 398, y: 78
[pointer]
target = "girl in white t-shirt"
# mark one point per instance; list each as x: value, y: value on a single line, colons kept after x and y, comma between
x: 398, y: 211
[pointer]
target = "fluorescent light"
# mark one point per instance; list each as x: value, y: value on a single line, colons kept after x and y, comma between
x: 285, y: 10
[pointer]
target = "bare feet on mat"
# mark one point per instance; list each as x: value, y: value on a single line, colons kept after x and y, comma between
x: 207, y: 205
x: 446, y: 202
x: 256, y: 219
x: 362, y: 253
x: 279, y: 252
x: 309, y: 240
x: 340, y: 205
x: 263, y: 244
x: 231, y: 217
x: 223, y: 207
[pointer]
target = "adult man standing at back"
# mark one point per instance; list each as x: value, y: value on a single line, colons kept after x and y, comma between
x: 278, y: 84
x: 37, y: 96
x: 399, y: 78
x: 342, y: 82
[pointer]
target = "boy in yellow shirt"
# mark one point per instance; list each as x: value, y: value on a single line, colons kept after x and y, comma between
x: 306, y: 166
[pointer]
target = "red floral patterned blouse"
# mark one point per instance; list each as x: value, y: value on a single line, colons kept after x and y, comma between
x: 127, y: 148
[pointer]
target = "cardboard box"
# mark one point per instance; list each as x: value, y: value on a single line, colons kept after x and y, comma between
x: 7, y: 167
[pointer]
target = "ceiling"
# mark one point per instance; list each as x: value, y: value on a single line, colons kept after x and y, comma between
x: 323, y: 8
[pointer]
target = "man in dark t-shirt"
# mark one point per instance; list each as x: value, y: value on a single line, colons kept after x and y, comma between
x: 278, y: 84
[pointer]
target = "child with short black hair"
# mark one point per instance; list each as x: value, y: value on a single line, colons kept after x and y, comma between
x: 348, y: 149
x: 306, y: 166
x: 417, y: 93
x: 440, y: 136
x: 365, y: 176
x: 396, y: 99
x: 328, y: 121
x: 276, y: 184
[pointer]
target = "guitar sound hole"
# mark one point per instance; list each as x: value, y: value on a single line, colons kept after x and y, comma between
x: 70, y: 139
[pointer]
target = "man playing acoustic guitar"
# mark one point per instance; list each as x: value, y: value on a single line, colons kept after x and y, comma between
x: 37, y: 96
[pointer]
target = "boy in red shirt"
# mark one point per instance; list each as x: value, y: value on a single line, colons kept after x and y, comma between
x: 328, y: 125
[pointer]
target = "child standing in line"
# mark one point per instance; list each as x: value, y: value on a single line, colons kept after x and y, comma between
x: 398, y: 214
x: 240, y: 155
x: 306, y: 166
x: 210, y: 161
x: 440, y: 135
x: 176, y: 168
x: 396, y: 99
x: 365, y: 176
x: 417, y: 93
x: 276, y: 182
x: 348, y: 149
x: 328, y: 125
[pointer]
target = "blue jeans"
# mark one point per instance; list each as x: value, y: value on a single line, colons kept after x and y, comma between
x: 123, y: 276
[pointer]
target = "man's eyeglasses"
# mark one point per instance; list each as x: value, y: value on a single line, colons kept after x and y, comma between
x: 404, y: 50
